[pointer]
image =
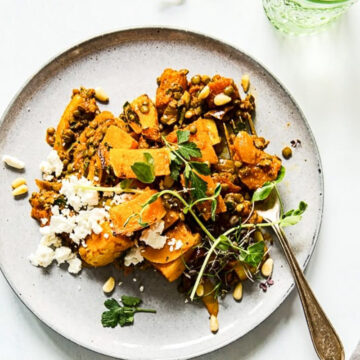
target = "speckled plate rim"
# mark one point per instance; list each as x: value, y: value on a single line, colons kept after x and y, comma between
x: 235, y: 336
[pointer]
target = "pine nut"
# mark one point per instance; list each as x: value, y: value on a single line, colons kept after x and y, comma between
x: 109, y: 285
x: 17, y: 182
x: 258, y: 236
x: 214, y: 324
x: 267, y: 267
x: 245, y: 82
x: 200, y: 290
x: 101, y: 95
x: 20, y: 190
x: 238, y: 291
x: 204, y: 93
x: 221, y: 99
x: 13, y: 162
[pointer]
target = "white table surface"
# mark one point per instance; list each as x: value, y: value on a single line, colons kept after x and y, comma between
x: 323, y: 74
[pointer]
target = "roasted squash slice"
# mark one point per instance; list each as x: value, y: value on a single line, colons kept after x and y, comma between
x: 209, y: 299
x: 119, y: 139
x: 81, y: 109
x: 102, y: 249
x: 121, y: 161
x: 259, y: 167
x: 152, y: 213
x: 149, y: 124
x: 173, y: 269
x: 168, y: 253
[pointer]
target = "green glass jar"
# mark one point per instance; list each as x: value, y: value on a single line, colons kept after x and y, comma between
x: 304, y: 16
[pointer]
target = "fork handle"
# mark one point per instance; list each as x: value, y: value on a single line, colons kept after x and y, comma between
x: 326, y: 342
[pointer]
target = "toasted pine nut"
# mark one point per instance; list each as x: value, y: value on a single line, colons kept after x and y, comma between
x: 245, y: 82
x: 200, y: 290
x: 221, y: 99
x: 258, y: 236
x: 13, y: 162
x: 204, y: 93
x: 17, y: 182
x: 101, y: 95
x: 109, y: 285
x: 238, y: 291
x: 20, y: 190
x: 214, y: 324
x: 267, y: 267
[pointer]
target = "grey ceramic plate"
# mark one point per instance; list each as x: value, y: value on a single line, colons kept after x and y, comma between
x: 126, y: 64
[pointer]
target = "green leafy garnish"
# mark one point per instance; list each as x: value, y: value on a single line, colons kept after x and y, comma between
x: 182, y: 136
x: 145, y: 171
x: 263, y: 192
x: 122, y: 315
x: 253, y: 254
x: 197, y: 184
x: 292, y: 217
x: 200, y: 167
x: 188, y: 150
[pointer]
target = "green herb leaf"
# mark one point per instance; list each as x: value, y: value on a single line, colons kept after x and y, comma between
x: 188, y: 150
x: 292, y: 217
x: 198, y: 185
x: 263, y: 192
x: 182, y: 136
x: 175, y: 166
x: 200, y: 167
x: 253, y: 254
x: 145, y: 171
x: 110, y: 318
x: 130, y: 300
x: 126, y: 184
x: 111, y: 304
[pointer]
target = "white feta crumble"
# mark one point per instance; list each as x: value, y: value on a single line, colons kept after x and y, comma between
x: 50, y: 240
x: 133, y: 257
x: 79, y: 226
x: 106, y: 235
x: 74, y: 265
x: 76, y: 196
x: 63, y: 254
x: 152, y: 236
x: 43, y: 221
x: 52, y: 165
x: 43, y: 256
x: 178, y: 244
x: 13, y: 162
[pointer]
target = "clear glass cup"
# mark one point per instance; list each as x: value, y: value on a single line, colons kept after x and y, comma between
x: 304, y: 16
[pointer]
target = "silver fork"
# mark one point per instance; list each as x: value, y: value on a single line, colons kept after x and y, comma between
x: 326, y: 342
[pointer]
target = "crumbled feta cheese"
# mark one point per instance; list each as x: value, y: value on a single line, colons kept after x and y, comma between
x: 120, y: 198
x: 43, y: 221
x: 78, y: 226
x: 152, y: 236
x: 52, y: 165
x: 13, y: 162
x: 133, y: 257
x: 63, y: 254
x: 43, y: 256
x: 50, y: 240
x: 78, y: 197
x: 96, y: 178
x: 74, y: 265
x: 178, y: 245
x: 106, y: 235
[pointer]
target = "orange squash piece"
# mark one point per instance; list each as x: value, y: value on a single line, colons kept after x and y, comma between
x: 149, y: 123
x: 102, y: 249
x: 152, y: 213
x: 173, y: 269
x: 171, y: 218
x: 165, y: 255
x: 205, y: 136
x: 209, y: 299
x: 119, y: 139
x: 254, y: 174
x: 121, y: 161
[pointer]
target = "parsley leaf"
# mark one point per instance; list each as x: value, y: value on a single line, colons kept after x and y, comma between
x: 145, y: 171
x: 175, y: 166
x: 198, y: 186
x: 200, y: 167
x: 182, y: 136
x: 263, y: 192
x: 122, y: 315
x: 188, y: 150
